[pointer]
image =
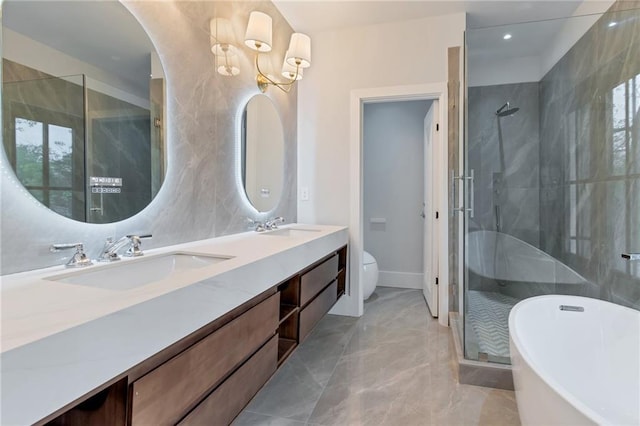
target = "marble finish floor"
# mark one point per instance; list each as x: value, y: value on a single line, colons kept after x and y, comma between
x: 392, y: 366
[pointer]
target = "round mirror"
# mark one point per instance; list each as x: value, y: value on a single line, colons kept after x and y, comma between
x: 262, y: 153
x: 83, y: 107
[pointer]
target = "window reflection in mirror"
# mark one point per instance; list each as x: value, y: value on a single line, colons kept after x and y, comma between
x: 262, y: 153
x: 83, y: 107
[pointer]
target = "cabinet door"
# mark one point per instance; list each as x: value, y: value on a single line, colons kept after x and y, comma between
x: 312, y: 282
x: 315, y: 310
x: 226, y: 402
x: 167, y: 393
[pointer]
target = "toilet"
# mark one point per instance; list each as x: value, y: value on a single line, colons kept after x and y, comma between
x: 370, y: 276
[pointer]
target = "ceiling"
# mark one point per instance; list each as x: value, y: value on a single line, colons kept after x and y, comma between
x: 534, y: 24
x: 314, y: 16
x: 86, y: 29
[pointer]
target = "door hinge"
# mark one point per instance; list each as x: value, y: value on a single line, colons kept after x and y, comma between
x: 437, y: 215
x: 436, y: 280
x: 437, y: 127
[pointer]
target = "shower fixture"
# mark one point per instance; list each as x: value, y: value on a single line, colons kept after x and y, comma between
x: 502, y: 112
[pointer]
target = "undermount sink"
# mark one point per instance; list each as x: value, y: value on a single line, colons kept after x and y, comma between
x: 126, y: 275
x: 291, y: 232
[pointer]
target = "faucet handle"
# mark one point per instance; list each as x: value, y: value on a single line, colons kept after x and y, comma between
x: 135, y: 244
x: 79, y: 258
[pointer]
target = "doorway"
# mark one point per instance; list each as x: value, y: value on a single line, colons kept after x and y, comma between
x: 353, y: 303
x: 398, y: 193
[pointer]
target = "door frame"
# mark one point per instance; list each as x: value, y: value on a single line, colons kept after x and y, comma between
x: 352, y: 304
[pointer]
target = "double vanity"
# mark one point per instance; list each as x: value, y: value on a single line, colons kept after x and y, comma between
x: 186, y: 334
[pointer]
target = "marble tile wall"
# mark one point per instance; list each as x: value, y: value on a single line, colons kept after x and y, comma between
x: 511, y: 187
x: 199, y: 198
x: 590, y: 156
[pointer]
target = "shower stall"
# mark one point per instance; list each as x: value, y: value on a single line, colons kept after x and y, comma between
x: 551, y: 176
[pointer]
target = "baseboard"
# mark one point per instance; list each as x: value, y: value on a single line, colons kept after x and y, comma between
x: 400, y: 279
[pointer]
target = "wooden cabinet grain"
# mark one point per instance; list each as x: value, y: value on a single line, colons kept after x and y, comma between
x: 224, y: 404
x: 315, y: 280
x: 165, y: 395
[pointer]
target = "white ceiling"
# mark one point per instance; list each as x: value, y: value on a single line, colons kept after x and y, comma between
x: 106, y: 35
x: 534, y: 24
x: 314, y: 16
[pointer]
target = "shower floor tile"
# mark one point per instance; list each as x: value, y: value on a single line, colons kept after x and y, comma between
x: 488, y: 315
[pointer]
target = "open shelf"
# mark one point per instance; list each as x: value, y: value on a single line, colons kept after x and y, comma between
x: 290, y: 292
x: 285, y: 347
x: 342, y: 271
x: 286, y: 311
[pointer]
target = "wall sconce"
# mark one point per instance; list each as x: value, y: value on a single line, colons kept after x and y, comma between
x: 223, y: 47
x: 298, y: 57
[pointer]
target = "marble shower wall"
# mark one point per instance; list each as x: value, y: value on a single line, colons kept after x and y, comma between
x: 200, y: 197
x: 506, y: 191
x: 590, y: 156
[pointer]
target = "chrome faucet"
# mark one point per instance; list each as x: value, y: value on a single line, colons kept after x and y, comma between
x: 79, y: 258
x: 273, y: 223
x: 111, y: 248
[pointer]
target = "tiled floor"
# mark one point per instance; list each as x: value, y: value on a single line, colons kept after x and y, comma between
x: 392, y: 366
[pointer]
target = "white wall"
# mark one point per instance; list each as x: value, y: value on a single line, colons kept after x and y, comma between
x: 393, y: 160
x: 400, y: 53
x: 489, y: 71
x: 403, y: 53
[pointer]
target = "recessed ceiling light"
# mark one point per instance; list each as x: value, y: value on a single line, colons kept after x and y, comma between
x: 506, y: 36
x: 612, y: 24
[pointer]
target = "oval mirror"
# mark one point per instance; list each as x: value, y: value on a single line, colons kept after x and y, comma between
x: 83, y: 107
x: 262, y: 153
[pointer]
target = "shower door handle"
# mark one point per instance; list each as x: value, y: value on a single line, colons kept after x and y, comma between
x: 454, y: 195
x: 472, y: 188
x: 471, y: 180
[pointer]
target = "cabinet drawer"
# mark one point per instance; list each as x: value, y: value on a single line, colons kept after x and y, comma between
x: 318, y: 278
x: 226, y: 402
x: 165, y: 395
x: 314, y: 312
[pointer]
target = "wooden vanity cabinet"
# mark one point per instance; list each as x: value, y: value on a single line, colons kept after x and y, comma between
x: 166, y: 394
x: 224, y: 403
x: 209, y: 376
x: 307, y: 297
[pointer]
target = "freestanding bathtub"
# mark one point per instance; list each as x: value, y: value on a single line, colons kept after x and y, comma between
x: 574, y: 366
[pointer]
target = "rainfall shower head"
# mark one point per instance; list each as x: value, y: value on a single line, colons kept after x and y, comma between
x: 502, y: 112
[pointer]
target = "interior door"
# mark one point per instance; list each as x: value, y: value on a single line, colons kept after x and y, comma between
x: 431, y: 191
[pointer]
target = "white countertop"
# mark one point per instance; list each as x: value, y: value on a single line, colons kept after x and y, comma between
x: 60, y: 341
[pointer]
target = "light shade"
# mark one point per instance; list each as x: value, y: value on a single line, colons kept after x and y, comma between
x: 299, y: 50
x: 223, y: 39
x: 227, y: 65
x: 258, y: 35
x: 289, y: 71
